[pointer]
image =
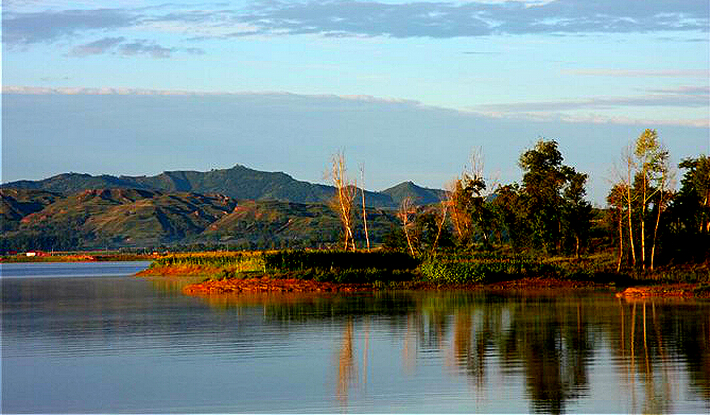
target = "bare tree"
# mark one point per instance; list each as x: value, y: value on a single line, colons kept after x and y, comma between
x: 625, y: 182
x: 406, y: 209
x: 665, y: 181
x: 652, y: 158
x: 467, y: 196
x: 457, y: 208
x: 440, y: 225
x: 364, y: 214
x: 343, y: 199
x: 616, y: 200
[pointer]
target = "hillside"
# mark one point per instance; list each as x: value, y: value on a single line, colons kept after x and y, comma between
x: 15, y: 204
x: 418, y: 195
x: 118, y: 218
x: 238, y: 182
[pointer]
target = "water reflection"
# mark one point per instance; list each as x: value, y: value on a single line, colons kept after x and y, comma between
x: 345, y: 364
x: 363, y: 352
x: 549, y: 343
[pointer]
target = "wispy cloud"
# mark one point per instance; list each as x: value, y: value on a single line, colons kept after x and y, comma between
x: 587, y: 110
x: 49, y: 26
x: 146, y: 47
x: 121, y: 46
x: 687, y: 97
x: 96, y: 47
x: 445, y: 20
x: 368, y: 19
x: 637, y: 73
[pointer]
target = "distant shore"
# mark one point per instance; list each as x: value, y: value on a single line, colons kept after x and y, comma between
x: 78, y: 257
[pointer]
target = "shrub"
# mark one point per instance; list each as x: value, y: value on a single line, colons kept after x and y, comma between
x: 459, y: 269
x: 332, y: 260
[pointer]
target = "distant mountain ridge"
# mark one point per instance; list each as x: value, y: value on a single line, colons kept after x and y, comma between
x: 238, y: 182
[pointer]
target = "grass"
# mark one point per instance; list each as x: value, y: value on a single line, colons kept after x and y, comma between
x: 393, y: 269
x: 325, y: 266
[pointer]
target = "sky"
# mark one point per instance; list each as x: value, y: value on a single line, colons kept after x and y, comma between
x: 408, y: 88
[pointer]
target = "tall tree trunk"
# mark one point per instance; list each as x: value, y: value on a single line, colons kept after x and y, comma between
x: 706, y: 226
x: 440, y: 227
x: 655, y: 233
x: 621, y: 240
x: 343, y: 203
x: 643, y: 223
x: 404, y: 210
x: 658, y: 218
x: 364, y: 214
x: 631, y: 228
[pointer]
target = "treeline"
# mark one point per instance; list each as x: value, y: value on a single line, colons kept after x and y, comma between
x: 646, y: 223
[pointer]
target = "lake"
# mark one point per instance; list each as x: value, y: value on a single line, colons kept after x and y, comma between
x: 88, y: 337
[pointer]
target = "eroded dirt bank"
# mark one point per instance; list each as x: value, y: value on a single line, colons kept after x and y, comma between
x: 267, y: 284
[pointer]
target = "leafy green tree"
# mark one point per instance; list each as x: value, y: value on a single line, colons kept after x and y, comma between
x: 687, y: 233
x: 576, y: 212
x: 508, y: 210
x: 553, y: 196
x: 694, y: 195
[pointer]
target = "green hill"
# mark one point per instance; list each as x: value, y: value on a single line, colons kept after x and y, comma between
x: 418, y: 195
x: 238, y: 182
x: 236, y: 206
x: 15, y: 204
x: 138, y: 218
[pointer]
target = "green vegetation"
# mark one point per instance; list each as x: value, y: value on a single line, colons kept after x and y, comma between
x: 332, y: 266
x: 478, y: 231
x: 483, y: 268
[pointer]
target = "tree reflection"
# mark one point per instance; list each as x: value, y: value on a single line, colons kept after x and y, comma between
x: 547, y: 342
x: 346, y: 364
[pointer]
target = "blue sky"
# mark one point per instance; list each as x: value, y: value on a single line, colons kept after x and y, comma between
x: 409, y: 88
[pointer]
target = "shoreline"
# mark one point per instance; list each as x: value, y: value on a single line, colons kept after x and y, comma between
x: 538, y: 285
x: 285, y: 271
x: 265, y: 283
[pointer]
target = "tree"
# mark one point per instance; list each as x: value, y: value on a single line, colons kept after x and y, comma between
x: 457, y: 202
x: 364, y: 213
x: 468, y: 204
x: 616, y: 199
x: 542, y: 182
x: 440, y: 225
x: 342, y: 201
x: 406, y: 210
x: 694, y: 194
x: 687, y: 230
x: 661, y: 201
x: 508, y: 209
x: 652, y: 159
x: 629, y: 198
x: 576, y: 212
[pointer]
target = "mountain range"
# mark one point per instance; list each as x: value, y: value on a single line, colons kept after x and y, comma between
x: 238, y: 206
x: 238, y: 182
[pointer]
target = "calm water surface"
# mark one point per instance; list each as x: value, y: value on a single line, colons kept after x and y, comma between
x: 90, y: 338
